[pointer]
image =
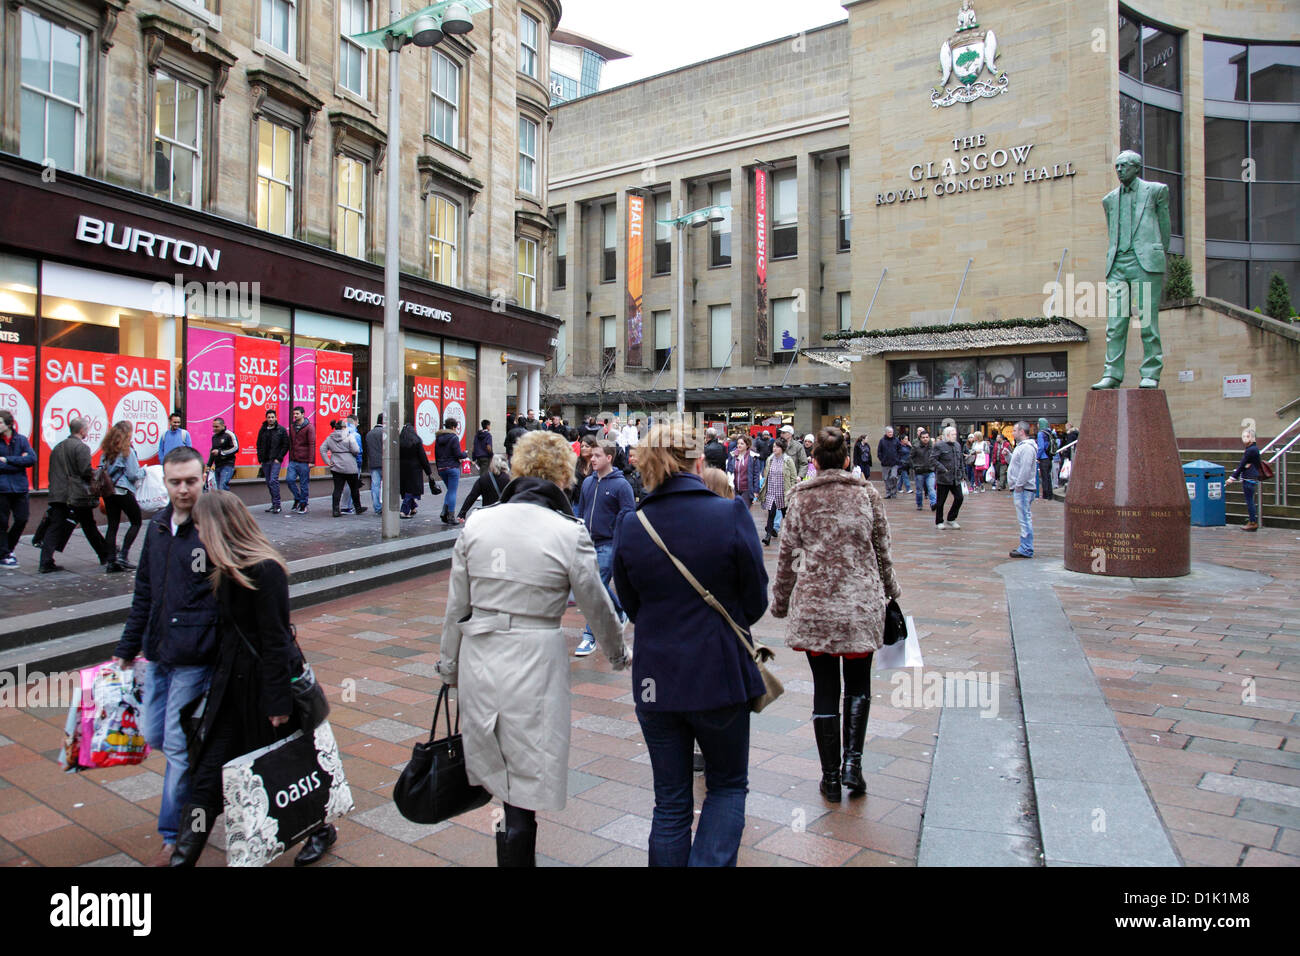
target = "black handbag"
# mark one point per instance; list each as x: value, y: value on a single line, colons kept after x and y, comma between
x: 895, y: 623
x: 434, y: 487
x: 434, y: 786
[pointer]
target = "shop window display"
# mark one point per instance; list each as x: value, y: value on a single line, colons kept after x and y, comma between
x: 236, y: 370
x: 108, y: 353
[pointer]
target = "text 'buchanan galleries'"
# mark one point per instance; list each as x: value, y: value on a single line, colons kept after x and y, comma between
x: 950, y: 177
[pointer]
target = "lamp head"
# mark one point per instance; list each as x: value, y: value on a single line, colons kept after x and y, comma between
x: 456, y: 21
x: 425, y: 31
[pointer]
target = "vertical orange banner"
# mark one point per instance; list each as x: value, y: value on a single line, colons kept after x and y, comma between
x: 762, y: 343
x: 635, y: 269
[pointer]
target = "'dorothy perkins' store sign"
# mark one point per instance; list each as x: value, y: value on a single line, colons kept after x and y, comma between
x: 979, y: 165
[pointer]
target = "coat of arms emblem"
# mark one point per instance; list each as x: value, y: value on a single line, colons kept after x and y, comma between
x: 964, y: 57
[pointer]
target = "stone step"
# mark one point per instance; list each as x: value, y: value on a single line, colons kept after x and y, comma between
x: 61, y: 639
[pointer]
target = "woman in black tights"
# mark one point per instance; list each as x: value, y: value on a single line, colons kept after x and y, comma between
x: 835, y: 546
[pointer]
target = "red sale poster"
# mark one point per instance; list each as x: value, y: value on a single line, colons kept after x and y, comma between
x: 454, y: 405
x: 428, y: 411
x: 18, y: 386
x: 257, y: 388
x: 333, y: 391
x: 102, y: 389
x: 140, y: 396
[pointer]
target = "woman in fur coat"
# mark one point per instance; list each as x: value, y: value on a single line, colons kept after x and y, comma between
x: 835, y: 547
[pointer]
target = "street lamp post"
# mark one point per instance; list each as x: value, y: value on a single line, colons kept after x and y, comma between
x: 696, y: 218
x: 424, y: 28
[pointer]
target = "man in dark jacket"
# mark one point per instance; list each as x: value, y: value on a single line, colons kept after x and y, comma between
x: 763, y: 445
x: 173, y: 620
x: 221, y: 459
x: 272, y: 446
x: 71, y: 500
x: 923, y: 469
x: 302, y: 452
x: 482, y: 453
x: 1046, y: 451
x: 949, y: 466
x: 16, y: 456
x: 606, y: 497
x: 513, y: 435
x: 715, y: 453
x: 888, y: 453
x: 374, y: 449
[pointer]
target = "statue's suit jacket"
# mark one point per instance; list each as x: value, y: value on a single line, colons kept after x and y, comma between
x: 1150, y: 236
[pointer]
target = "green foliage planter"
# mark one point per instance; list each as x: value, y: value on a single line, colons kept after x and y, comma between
x: 1035, y: 323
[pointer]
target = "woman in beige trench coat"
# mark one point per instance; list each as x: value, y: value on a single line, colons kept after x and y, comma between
x: 502, y: 644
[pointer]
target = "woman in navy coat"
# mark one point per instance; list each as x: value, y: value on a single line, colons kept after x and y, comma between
x: 691, y: 677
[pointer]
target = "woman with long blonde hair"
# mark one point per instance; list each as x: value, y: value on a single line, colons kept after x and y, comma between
x: 250, y: 702
x: 119, y: 459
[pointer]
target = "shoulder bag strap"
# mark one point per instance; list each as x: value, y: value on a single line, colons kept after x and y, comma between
x: 709, y: 599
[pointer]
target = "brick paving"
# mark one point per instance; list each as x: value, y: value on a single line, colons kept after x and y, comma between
x: 1206, y: 689
x: 1224, y: 774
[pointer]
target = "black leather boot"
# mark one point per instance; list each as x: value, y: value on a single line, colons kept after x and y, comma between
x: 855, y: 733
x: 315, y: 845
x: 827, y: 732
x: 196, y: 825
x: 517, y: 846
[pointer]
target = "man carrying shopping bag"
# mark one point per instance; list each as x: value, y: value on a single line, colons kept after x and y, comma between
x: 174, y: 616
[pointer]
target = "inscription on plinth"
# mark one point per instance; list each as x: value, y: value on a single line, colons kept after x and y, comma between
x: 1127, y: 513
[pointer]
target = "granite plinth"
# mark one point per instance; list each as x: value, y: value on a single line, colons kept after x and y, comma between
x: 1127, y: 513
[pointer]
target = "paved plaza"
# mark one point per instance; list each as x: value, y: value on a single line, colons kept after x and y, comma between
x: 1201, y: 678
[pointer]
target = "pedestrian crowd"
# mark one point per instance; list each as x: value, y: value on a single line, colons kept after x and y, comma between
x: 606, y: 516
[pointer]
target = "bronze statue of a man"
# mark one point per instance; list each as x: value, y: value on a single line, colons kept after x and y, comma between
x: 1137, y: 223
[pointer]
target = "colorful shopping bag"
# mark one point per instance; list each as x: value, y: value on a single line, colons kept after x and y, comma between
x: 117, y: 695
x: 103, y: 726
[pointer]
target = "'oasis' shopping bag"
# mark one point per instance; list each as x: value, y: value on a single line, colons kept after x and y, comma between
x: 277, y: 796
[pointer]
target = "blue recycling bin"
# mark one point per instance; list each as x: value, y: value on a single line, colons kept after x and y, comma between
x: 1205, y: 487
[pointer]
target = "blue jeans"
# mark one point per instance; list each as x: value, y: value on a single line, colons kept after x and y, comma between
x: 925, y: 486
x: 724, y: 740
x: 410, y: 503
x: 224, y: 474
x: 169, y: 688
x: 1024, y: 498
x: 904, y: 481
x: 272, y: 471
x: 377, y: 491
x: 451, y: 476
x: 1248, y: 489
x: 299, y: 478
x: 605, y: 561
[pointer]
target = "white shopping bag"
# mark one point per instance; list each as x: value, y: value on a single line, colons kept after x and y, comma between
x: 152, y: 493
x: 906, y: 653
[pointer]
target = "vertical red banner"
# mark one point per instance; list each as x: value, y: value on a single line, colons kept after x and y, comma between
x: 18, y: 386
x: 453, y: 407
x: 428, y: 411
x: 635, y: 271
x: 139, y: 395
x: 333, y: 391
x: 257, y: 388
x: 74, y: 384
x: 762, y: 341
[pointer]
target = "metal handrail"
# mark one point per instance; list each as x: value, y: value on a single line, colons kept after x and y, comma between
x: 1284, y: 450
x: 1280, y: 435
x: 1288, y: 406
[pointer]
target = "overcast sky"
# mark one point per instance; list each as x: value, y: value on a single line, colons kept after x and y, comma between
x: 667, y: 34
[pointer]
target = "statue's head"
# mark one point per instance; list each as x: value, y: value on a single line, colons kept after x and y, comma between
x: 1127, y: 166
